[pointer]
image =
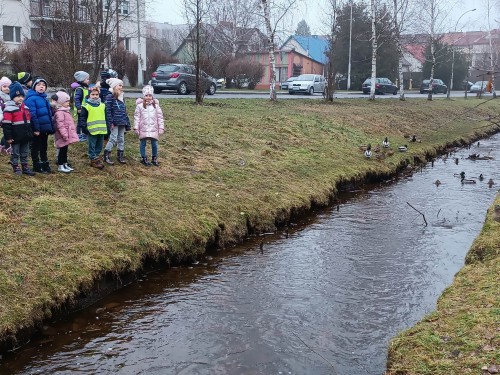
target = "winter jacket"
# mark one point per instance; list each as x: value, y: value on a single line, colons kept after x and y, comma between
x: 41, y: 115
x: 79, y: 94
x: 116, y: 113
x: 65, y: 128
x: 93, y: 119
x: 16, y: 123
x: 148, y: 122
x: 3, y: 99
x: 104, y: 91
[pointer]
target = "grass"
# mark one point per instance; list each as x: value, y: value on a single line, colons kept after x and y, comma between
x: 227, y: 167
x: 462, y: 335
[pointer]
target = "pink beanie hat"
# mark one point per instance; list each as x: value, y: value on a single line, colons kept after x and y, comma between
x: 62, y: 97
x: 4, y: 81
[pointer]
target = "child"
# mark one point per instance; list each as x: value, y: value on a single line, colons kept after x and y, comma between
x: 106, y: 74
x: 26, y: 80
x: 41, y: 119
x: 81, y: 91
x: 148, y: 124
x: 93, y: 117
x: 4, y: 98
x: 17, y: 129
x: 65, y: 131
x: 116, y: 120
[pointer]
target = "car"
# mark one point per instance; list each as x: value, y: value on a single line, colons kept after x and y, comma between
x: 438, y: 86
x: 286, y: 84
x: 479, y: 86
x: 181, y: 78
x: 382, y: 86
x: 220, y: 82
x: 307, y: 83
x: 466, y: 85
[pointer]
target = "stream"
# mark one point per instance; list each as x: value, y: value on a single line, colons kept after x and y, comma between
x: 324, y: 298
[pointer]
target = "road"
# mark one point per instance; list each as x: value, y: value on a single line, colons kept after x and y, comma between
x: 230, y: 94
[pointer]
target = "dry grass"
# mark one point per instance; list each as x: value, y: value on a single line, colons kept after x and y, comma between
x: 227, y: 166
x: 463, y: 334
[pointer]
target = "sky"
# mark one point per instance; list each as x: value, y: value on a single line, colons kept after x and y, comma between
x: 171, y: 11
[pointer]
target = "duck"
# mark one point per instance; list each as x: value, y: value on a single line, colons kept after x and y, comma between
x: 481, y: 177
x: 437, y: 183
x: 491, y: 182
x: 467, y: 181
x: 368, y: 152
x: 461, y: 175
x: 390, y: 153
x: 414, y: 138
x: 403, y: 148
x: 386, y: 143
x: 380, y: 156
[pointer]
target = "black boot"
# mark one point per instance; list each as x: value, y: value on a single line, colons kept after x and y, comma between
x: 46, y: 167
x: 16, y: 169
x: 106, y: 158
x: 145, y: 161
x: 155, y: 161
x: 120, y: 157
x: 26, y: 170
x: 38, y: 167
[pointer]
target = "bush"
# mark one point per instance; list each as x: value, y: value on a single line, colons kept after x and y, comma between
x: 244, y: 73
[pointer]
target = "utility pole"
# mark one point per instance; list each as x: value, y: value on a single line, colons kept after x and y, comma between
x: 350, y: 49
x: 140, y: 75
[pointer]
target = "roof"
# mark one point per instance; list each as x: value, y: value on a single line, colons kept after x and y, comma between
x: 417, y: 51
x: 315, y: 45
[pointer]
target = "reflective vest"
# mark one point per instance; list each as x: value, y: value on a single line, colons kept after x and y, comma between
x: 96, y: 119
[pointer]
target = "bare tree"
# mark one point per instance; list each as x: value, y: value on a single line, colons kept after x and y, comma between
x: 272, y: 12
x: 373, y: 14
x: 333, y: 8
x: 400, y: 18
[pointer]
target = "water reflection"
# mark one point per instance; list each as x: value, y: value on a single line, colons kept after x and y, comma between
x: 324, y: 300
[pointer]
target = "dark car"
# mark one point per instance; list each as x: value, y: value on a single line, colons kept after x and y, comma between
x: 181, y: 78
x: 382, y: 86
x: 438, y: 86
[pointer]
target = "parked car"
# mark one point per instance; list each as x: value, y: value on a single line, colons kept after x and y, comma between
x: 382, y: 86
x: 479, y: 86
x: 220, y: 82
x: 466, y: 85
x: 438, y: 86
x: 307, y: 83
x: 285, y: 85
x: 181, y: 78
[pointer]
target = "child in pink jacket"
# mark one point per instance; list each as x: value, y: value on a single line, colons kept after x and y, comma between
x: 148, y: 124
x: 65, y: 131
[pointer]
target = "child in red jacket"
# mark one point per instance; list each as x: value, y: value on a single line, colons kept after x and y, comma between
x: 17, y: 129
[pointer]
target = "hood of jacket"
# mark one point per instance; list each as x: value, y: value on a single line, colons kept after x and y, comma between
x: 5, y: 97
x: 32, y: 92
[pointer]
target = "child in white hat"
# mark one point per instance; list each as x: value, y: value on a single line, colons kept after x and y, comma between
x: 148, y: 124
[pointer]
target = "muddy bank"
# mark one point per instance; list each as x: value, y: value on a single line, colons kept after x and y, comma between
x: 254, y: 201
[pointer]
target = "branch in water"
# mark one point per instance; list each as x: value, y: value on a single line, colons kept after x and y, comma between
x: 418, y: 212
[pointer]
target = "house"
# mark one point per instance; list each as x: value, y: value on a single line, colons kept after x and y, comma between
x: 314, y: 46
x: 51, y: 19
x: 172, y: 35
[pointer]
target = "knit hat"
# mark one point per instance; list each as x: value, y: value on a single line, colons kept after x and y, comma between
x: 4, y: 81
x: 15, y: 90
x: 81, y: 76
x: 24, y: 77
x: 113, y: 82
x: 147, y: 90
x: 38, y: 80
x: 62, y: 97
x: 108, y: 73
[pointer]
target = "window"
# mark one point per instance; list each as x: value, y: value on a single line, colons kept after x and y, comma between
x: 12, y: 34
x: 36, y: 33
x: 126, y: 44
x: 124, y: 7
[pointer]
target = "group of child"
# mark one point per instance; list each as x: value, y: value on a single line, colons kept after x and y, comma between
x: 27, y: 119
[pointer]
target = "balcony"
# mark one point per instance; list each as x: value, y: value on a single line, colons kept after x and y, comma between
x: 70, y: 11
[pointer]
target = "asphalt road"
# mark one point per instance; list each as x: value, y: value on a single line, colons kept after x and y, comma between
x: 230, y: 94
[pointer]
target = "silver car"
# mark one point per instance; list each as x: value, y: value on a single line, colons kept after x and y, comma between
x: 308, y: 84
x: 286, y: 85
x: 479, y: 86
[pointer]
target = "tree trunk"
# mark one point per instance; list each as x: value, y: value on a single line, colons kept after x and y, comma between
x: 400, y: 51
x: 374, y: 51
x: 272, y: 61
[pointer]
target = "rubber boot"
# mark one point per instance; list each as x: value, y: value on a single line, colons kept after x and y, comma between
x: 120, y: 157
x: 155, y: 161
x: 96, y: 163
x: 145, y: 161
x: 26, y: 170
x: 106, y: 158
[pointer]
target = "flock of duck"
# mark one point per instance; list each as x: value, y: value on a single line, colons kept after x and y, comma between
x: 378, y: 154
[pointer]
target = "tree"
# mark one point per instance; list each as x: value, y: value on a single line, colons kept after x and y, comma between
x: 401, y: 17
x: 303, y: 29
x: 442, y: 67
x: 272, y: 12
x: 332, y: 36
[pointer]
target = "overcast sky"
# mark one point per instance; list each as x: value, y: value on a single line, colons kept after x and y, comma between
x: 171, y: 11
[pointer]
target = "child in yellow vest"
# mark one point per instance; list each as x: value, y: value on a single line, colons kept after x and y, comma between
x: 93, y: 123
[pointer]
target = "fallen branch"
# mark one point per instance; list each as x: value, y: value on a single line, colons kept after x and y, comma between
x: 315, y: 352
x: 418, y: 212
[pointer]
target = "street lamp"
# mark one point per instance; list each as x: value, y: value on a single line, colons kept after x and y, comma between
x: 453, y: 53
x: 350, y: 46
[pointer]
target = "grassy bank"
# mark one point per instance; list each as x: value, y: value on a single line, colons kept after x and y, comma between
x: 462, y: 335
x: 227, y: 168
